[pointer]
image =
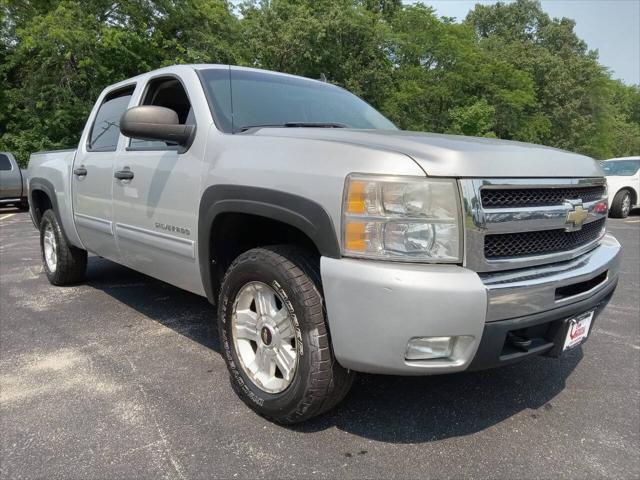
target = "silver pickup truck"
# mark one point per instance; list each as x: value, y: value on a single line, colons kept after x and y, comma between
x: 13, y: 182
x: 330, y: 241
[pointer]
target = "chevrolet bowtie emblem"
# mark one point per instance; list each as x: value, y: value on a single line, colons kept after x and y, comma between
x: 577, y: 216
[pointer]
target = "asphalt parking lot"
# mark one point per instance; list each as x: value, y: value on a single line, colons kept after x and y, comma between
x: 122, y: 378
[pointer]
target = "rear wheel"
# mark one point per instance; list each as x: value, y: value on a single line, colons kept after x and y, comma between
x: 621, y: 205
x: 273, y: 331
x: 64, y: 264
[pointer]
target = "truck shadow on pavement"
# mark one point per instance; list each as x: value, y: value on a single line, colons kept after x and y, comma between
x: 381, y: 408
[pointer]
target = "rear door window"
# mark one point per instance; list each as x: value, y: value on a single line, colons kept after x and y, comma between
x: 5, y: 164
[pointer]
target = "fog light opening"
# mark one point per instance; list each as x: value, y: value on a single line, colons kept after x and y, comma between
x: 429, y: 348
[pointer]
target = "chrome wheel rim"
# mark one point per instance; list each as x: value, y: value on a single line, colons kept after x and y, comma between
x: 50, y: 250
x: 626, y: 204
x: 264, y: 337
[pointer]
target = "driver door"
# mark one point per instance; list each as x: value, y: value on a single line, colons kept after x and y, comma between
x: 156, y: 207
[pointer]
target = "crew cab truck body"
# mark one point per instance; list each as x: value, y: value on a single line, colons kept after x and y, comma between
x: 330, y: 241
x: 13, y: 182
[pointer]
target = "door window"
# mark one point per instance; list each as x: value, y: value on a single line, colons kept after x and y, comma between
x: 168, y: 93
x: 5, y: 164
x: 106, y: 127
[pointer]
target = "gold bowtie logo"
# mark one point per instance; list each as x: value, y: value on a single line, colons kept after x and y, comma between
x: 577, y: 216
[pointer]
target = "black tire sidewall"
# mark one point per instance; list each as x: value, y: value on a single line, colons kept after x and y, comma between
x: 49, y: 218
x: 616, y: 205
x: 274, y: 405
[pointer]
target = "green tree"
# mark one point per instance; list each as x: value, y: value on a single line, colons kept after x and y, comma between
x: 59, y: 55
x: 444, y: 82
x: 508, y: 71
x: 339, y: 39
x: 573, y: 108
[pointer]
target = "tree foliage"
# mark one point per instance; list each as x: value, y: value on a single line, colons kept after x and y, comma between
x: 507, y: 71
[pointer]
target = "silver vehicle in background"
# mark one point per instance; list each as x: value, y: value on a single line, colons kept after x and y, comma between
x: 13, y: 182
x: 330, y: 241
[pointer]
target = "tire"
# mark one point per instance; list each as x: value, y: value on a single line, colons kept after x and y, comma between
x: 621, y: 205
x: 318, y: 383
x: 70, y: 263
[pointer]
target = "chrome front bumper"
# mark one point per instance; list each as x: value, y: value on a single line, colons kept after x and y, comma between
x: 374, y: 308
x: 517, y: 293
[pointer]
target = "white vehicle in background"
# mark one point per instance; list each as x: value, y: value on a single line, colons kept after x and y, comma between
x: 623, y: 182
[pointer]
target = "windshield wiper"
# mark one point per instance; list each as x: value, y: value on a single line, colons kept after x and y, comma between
x: 296, y: 125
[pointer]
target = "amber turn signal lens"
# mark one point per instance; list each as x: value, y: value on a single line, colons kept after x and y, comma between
x: 356, y: 197
x: 355, y: 236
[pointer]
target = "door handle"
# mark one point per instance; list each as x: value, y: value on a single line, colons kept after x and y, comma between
x: 123, y: 174
x: 80, y: 171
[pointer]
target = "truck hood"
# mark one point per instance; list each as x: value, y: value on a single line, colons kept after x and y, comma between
x: 455, y: 155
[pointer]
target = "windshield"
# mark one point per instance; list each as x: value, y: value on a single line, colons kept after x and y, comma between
x: 252, y: 98
x: 620, y: 167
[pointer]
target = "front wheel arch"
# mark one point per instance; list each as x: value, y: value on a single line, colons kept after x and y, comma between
x: 307, y: 221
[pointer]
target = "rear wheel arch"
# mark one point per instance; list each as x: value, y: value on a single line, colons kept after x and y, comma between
x: 42, y: 197
x: 233, y: 219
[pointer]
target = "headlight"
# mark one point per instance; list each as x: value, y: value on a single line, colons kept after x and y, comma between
x: 400, y: 218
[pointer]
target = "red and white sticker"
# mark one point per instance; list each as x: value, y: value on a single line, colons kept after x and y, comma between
x: 578, y: 329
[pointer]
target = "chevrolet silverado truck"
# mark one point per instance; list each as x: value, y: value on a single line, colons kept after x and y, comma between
x: 13, y: 182
x: 330, y: 241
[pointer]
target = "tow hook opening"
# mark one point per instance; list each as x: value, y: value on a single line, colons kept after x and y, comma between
x: 520, y: 342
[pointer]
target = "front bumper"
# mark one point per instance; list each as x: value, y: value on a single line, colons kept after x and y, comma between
x: 374, y: 308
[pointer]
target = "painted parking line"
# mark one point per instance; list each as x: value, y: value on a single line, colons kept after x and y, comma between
x: 632, y: 221
x: 4, y: 217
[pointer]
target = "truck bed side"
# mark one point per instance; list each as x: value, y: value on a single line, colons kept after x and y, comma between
x: 49, y: 175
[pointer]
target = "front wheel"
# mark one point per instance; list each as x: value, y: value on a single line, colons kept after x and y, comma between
x: 64, y: 264
x: 621, y: 205
x: 273, y: 331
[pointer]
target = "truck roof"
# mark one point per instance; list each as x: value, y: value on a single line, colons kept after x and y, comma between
x: 201, y: 66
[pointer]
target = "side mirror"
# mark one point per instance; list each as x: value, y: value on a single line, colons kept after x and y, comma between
x: 150, y: 122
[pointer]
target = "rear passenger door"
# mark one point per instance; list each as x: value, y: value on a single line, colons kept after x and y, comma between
x: 92, y: 175
x: 156, y: 210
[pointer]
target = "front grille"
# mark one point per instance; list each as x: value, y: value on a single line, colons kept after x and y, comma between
x: 527, y: 244
x: 538, y: 197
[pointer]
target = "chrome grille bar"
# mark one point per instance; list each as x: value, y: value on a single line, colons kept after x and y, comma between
x: 566, y: 196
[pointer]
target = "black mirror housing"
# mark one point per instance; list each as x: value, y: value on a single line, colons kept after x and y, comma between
x: 150, y: 122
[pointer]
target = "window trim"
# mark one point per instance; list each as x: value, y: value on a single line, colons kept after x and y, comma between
x: 177, y: 148
x: 121, y: 88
